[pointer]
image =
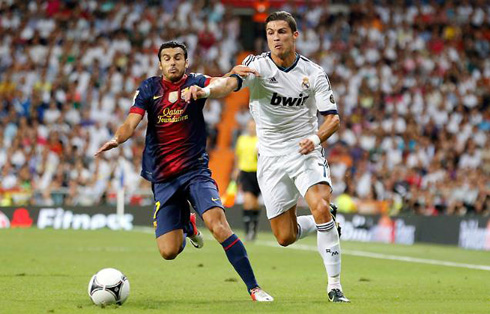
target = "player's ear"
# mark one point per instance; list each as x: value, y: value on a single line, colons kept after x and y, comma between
x: 295, y: 35
x: 186, y: 63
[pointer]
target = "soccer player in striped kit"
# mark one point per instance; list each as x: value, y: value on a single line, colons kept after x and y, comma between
x: 176, y: 163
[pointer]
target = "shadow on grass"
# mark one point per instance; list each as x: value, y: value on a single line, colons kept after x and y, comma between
x: 34, y: 275
x: 168, y: 303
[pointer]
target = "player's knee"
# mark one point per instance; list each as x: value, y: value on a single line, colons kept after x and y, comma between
x: 285, y: 240
x: 169, y: 254
x: 217, y: 224
x: 219, y: 230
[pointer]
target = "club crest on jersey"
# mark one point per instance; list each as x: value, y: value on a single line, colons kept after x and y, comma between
x: 277, y: 100
x: 306, y: 83
x: 173, y: 96
x: 183, y: 92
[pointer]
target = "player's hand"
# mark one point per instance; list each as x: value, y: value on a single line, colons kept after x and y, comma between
x: 107, y: 146
x: 242, y: 70
x: 306, y: 146
x: 193, y: 93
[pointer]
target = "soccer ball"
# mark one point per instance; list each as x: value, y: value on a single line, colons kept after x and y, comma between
x: 108, y: 286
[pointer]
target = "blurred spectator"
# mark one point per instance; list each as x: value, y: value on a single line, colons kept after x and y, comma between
x: 411, y: 80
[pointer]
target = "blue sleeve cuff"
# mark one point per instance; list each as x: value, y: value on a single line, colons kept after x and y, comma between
x: 240, y: 82
x: 326, y: 113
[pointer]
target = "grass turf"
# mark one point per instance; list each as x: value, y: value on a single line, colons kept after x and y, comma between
x: 47, y: 271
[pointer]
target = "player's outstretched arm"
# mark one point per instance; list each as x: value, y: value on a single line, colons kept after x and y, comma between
x: 329, y: 126
x: 242, y: 70
x: 123, y: 133
x: 220, y: 86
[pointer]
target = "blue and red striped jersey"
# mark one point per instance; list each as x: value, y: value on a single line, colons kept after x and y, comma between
x: 176, y: 133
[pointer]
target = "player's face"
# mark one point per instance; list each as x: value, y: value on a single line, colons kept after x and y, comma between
x: 173, y: 63
x: 280, y: 38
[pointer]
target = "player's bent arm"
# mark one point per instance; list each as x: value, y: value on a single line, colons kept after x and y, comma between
x: 218, y: 87
x: 329, y: 126
x: 221, y: 86
x: 126, y: 130
x: 242, y: 70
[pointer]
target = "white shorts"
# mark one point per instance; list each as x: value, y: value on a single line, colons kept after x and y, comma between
x: 283, y: 178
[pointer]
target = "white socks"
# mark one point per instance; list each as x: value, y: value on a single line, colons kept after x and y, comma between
x: 329, y: 249
x: 306, y: 226
x: 328, y: 246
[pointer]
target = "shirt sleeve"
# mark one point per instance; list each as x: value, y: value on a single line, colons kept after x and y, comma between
x: 325, y: 101
x: 247, y: 81
x: 140, y: 100
x: 202, y: 80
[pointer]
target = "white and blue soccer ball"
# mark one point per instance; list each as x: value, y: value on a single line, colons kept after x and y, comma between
x: 108, y: 286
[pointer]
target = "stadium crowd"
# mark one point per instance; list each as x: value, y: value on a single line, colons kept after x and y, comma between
x: 411, y: 79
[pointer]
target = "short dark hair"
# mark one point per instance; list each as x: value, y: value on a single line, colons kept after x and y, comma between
x: 283, y: 16
x: 172, y: 44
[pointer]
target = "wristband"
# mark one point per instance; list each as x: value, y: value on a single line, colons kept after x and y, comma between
x: 315, y: 139
x: 207, y: 92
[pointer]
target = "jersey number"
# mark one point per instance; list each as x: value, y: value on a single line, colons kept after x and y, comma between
x: 157, y: 208
x: 324, y: 166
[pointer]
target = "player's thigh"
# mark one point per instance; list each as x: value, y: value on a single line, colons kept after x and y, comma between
x: 285, y: 226
x: 202, y: 192
x: 312, y: 169
x: 171, y: 211
x: 170, y: 243
x: 278, y: 189
x: 314, y: 183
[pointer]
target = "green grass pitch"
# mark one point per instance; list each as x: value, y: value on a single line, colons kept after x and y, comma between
x: 47, y: 271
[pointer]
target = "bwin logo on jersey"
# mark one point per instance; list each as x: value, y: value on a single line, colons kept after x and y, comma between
x: 288, y: 101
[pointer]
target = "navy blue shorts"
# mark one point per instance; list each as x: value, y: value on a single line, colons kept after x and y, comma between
x: 172, y: 199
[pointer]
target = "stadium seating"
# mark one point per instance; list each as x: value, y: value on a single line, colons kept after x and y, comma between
x: 411, y: 80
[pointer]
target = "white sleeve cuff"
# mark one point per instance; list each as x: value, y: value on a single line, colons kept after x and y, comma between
x: 315, y: 139
x: 207, y: 92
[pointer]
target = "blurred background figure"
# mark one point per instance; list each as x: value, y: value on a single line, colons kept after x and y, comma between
x: 411, y: 80
x: 246, y: 176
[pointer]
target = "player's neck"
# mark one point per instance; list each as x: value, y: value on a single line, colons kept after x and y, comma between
x: 286, y: 61
x: 169, y: 82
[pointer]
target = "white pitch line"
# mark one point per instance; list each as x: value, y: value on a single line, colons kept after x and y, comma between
x: 311, y: 248
x: 381, y: 256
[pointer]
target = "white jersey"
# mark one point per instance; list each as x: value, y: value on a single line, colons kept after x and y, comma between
x: 284, y: 102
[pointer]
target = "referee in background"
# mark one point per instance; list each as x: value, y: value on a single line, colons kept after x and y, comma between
x: 246, y: 166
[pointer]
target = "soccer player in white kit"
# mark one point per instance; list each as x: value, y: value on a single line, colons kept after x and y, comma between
x: 286, y: 91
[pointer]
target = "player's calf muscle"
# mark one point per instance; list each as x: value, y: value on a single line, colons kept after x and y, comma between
x: 285, y: 229
x: 321, y: 211
x: 215, y: 221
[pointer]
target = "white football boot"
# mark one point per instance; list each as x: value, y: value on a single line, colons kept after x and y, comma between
x: 260, y: 295
x: 196, y: 239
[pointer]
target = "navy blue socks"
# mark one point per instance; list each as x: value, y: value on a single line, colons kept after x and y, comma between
x: 237, y: 255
